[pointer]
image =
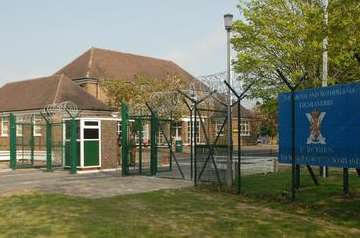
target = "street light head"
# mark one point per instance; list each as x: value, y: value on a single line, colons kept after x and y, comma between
x: 228, y: 20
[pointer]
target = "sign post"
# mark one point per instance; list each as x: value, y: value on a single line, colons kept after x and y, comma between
x: 295, y: 169
x: 346, y: 181
x: 327, y: 126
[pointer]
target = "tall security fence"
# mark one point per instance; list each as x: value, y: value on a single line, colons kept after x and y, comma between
x: 38, y: 144
x: 148, y: 148
x: 203, y: 144
x: 44, y: 139
x: 210, y: 142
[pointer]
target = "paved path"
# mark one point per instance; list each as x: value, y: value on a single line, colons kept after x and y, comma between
x: 94, y: 185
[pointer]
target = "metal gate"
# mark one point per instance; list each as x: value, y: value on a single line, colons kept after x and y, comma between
x: 135, y: 146
x: 172, y: 162
x: 209, y: 137
x: 147, y: 147
x: 139, y: 147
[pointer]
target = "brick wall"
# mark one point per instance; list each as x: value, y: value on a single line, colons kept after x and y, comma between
x: 96, y: 90
x: 211, y: 131
x: 24, y: 139
x: 110, y: 152
x: 248, y: 139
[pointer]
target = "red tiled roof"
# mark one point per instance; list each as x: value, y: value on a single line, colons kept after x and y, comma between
x: 35, y: 94
x: 113, y: 65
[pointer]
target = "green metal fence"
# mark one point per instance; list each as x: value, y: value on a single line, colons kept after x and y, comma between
x: 35, y: 142
x: 136, y: 150
x: 148, y: 148
x: 139, y: 146
x: 72, y: 145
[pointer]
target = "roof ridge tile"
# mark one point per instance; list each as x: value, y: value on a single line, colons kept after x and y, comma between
x: 58, y: 88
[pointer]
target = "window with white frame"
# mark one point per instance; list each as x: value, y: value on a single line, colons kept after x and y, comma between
x: 4, y: 126
x: 91, y: 131
x: 145, y: 132
x: 161, y: 138
x: 219, y: 128
x: 37, y: 126
x: 244, y: 128
x: 118, y: 130
x: 177, y: 129
x: 19, y: 126
x: 197, y: 131
x: 145, y: 135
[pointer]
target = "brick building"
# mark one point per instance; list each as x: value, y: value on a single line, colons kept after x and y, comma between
x: 27, y: 100
x: 95, y: 65
x: 80, y: 83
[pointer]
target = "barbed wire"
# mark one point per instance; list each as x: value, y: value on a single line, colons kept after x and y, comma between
x: 63, y: 109
x: 165, y: 103
x: 215, y: 81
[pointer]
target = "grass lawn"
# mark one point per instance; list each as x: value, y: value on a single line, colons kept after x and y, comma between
x: 260, y: 212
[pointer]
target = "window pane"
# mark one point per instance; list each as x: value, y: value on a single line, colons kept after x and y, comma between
x: 68, y: 129
x: 4, y: 126
x: 91, y: 133
x: 245, y: 128
x: 19, y: 126
x: 119, y: 128
x: 37, y: 125
x: 197, y: 131
x: 219, y: 128
x: 19, y: 129
x: 91, y: 123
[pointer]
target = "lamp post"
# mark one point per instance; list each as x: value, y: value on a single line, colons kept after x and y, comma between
x: 228, y: 20
x: 324, y: 83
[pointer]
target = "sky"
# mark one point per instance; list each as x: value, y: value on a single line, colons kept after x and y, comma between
x: 39, y: 37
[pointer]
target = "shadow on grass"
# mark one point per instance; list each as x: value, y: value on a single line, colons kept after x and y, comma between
x: 261, y: 211
x: 326, y: 201
x: 190, y: 212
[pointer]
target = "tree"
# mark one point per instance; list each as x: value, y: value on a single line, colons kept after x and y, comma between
x: 287, y: 35
x: 268, y: 115
x: 144, y: 89
x: 344, y: 31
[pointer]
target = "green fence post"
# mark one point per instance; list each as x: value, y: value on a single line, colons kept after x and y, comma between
x: 48, y: 146
x: 139, y: 130
x: 12, y: 142
x: 153, y: 138
x: 171, y: 145
x: 32, y: 141
x: 124, y: 139
x: 73, y: 147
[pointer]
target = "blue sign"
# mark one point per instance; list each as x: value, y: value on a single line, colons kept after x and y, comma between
x: 327, y: 126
